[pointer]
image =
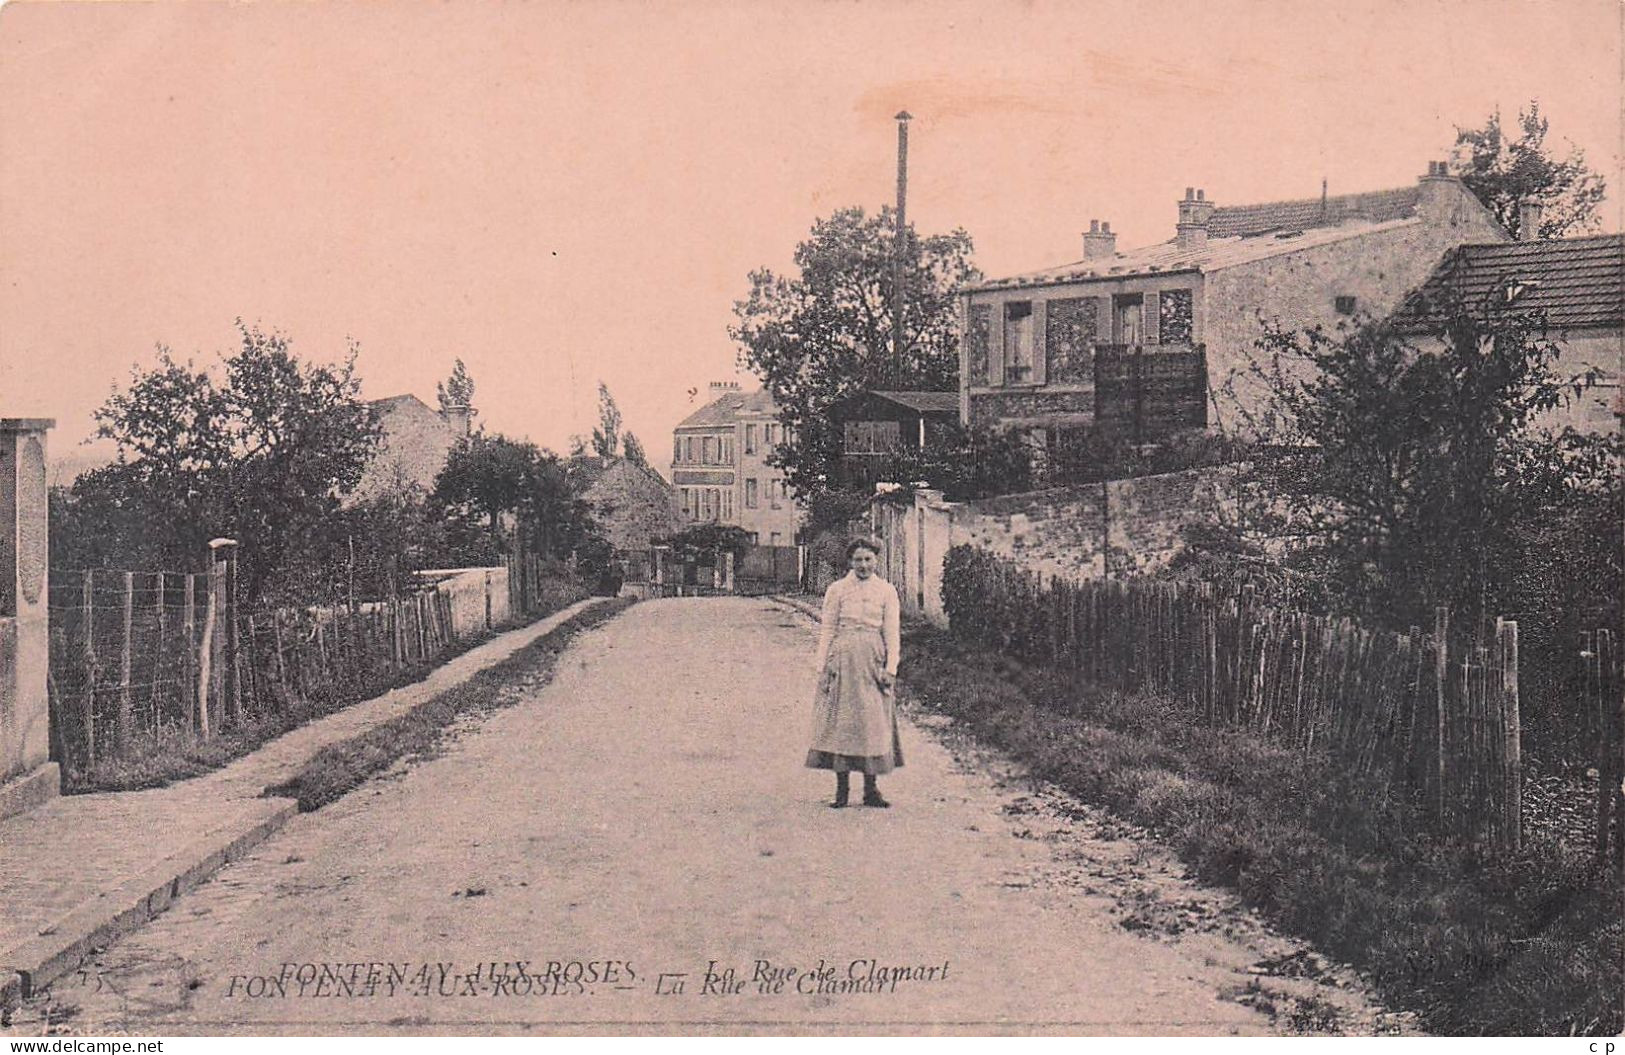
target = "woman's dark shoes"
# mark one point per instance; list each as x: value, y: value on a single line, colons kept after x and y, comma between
x: 872, y: 798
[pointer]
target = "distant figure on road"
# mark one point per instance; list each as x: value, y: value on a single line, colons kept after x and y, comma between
x: 855, y: 707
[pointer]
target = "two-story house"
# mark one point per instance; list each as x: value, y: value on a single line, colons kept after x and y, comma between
x: 720, y: 466
x: 1161, y: 338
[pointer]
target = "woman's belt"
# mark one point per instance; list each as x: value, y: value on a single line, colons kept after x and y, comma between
x: 855, y: 626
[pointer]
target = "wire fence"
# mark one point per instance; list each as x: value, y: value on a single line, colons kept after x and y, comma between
x: 143, y: 657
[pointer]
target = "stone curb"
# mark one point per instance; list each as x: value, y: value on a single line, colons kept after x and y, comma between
x: 62, y: 947
x: 812, y: 611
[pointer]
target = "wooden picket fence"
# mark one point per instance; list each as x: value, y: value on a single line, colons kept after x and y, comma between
x: 1433, y: 716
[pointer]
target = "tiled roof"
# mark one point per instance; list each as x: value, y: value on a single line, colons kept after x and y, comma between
x: 1240, y: 234
x: 1216, y: 254
x: 1300, y: 215
x: 924, y: 402
x: 1576, y: 282
x: 730, y: 407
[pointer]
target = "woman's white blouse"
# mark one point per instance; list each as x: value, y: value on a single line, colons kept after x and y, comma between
x: 870, y: 602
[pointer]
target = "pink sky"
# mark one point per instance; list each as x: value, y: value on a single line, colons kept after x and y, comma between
x: 563, y: 192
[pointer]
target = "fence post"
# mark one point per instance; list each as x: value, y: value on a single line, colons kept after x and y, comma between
x: 233, y: 643
x: 1441, y: 677
x: 487, y: 599
x: 125, y: 728
x: 158, y: 657
x: 1602, y: 660
x: 206, y: 672
x: 189, y: 651
x: 1513, y: 733
x: 88, y: 603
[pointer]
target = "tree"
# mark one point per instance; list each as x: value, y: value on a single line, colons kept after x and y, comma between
x: 826, y: 333
x: 1505, y: 172
x: 632, y: 448
x: 606, y: 438
x: 1406, y: 474
x: 492, y: 486
x: 260, y: 450
x: 456, y: 390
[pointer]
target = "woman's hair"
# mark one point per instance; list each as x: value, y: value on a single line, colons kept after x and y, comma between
x: 862, y: 543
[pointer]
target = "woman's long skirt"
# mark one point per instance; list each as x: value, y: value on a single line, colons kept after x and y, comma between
x: 854, y: 719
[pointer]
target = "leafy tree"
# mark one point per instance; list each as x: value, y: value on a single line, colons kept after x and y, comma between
x: 632, y: 448
x: 1405, y: 473
x: 259, y: 450
x: 1505, y: 171
x: 606, y: 438
x: 826, y: 333
x: 457, y: 390
x: 492, y: 486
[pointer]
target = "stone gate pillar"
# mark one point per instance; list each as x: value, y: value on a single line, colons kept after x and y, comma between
x: 27, y: 774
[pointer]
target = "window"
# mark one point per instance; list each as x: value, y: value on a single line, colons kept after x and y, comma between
x: 727, y: 504
x: 727, y: 450
x: 677, y: 449
x: 1344, y: 305
x: 767, y: 435
x: 751, y: 499
x: 872, y: 437
x: 750, y: 439
x: 1128, y: 320
x: 1018, y: 342
x: 1174, y: 316
x: 774, y: 538
x: 688, y: 445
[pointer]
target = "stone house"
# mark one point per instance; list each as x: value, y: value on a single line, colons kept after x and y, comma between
x: 632, y: 504
x: 413, y: 447
x: 1156, y: 339
x: 1576, y: 285
x: 720, y: 468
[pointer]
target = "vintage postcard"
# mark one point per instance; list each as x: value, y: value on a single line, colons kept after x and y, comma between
x: 980, y: 517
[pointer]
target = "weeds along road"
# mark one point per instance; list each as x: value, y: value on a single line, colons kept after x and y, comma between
x: 601, y: 854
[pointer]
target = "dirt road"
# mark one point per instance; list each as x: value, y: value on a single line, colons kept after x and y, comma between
x: 635, y: 847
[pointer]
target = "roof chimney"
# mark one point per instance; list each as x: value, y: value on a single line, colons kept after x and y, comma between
x: 1529, y: 215
x: 1194, y: 212
x: 458, y: 416
x: 1441, y: 195
x: 1099, y: 241
x: 718, y: 387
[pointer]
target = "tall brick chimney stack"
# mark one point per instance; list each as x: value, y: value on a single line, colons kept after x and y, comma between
x: 1194, y: 212
x: 459, y: 417
x: 1530, y: 212
x: 1099, y: 241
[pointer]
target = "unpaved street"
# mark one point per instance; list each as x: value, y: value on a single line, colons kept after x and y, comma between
x: 583, y: 859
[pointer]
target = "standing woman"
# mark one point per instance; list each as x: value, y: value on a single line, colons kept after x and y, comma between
x: 855, y: 708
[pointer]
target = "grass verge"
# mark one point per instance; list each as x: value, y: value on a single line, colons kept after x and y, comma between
x: 1528, y: 945
x: 339, y: 768
x: 159, y: 758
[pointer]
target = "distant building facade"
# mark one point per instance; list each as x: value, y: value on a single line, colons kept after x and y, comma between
x: 1575, y: 286
x: 720, y: 467
x: 413, y: 446
x: 1162, y: 338
x: 632, y: 504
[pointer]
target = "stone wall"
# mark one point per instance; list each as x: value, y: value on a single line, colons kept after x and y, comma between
x: 1121, y: 527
